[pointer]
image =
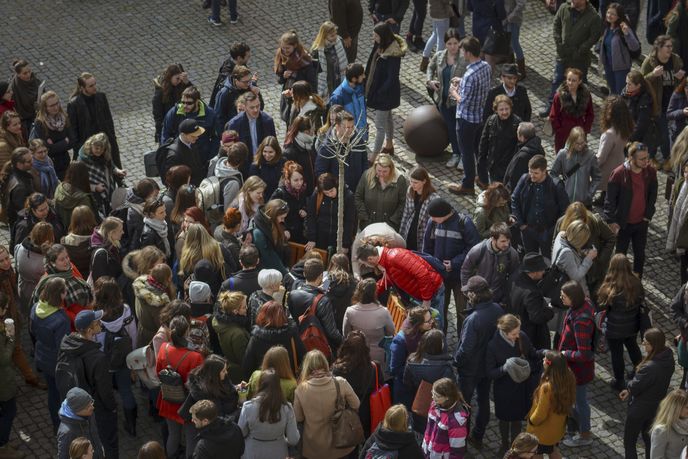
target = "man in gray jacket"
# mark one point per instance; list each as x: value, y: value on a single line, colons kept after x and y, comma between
x: 495, y: 260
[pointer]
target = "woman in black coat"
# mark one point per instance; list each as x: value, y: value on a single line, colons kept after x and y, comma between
x: 168, y: 92
x: 640, y: 98
x: 321, y: 215
x: 498, y: 141
x: 52, y: 127
x: 155, y: 230
x: 37, y: 209
x: 429, y: 363
x: 393, y: 435
x: 512, y: 399
x: 382, y: 85
x: 622, y: 295
x: 648, y: 388
x: 299, y: 146
x: 272, y: 328
x: 353, y: 364
x: 293, y: 192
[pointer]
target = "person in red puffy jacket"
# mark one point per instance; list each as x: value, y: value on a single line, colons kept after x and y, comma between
x: 406, y: 271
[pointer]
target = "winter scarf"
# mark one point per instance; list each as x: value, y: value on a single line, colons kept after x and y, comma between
x: 304, y: 140
x: 296, y: 61
x: 48, y: 177
x: 678, y: 217
x: 681, y: 426
x: 296, y: 193
x: 160, y: 227
x: 336, y: 66
x: 100, y: 171
x: 26, y: 96
x: 575, y: 108
x: 78, y: 290
x: 56, y: 123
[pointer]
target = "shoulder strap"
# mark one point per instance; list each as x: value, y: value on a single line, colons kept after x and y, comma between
x: 315, y: 302
x: 339, y: 402
x: 377, y: 383
x: 181, y: 360
x: 318, y: 201
x: 231, y: 283
x: 293, y: 353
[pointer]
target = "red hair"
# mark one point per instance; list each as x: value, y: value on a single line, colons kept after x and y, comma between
x: 198, y: 215
x: 271, y: 315
x: 289, y: 168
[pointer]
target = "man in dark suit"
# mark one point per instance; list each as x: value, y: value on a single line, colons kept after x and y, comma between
x: 184, y: 150
x: 253, y: 125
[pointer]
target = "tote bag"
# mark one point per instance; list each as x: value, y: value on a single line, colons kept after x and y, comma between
x: 380, y: 401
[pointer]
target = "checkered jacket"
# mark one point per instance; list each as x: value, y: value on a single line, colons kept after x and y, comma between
x: 576, y: 342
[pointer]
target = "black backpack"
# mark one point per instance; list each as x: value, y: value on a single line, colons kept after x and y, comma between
x: 161, y: 155
x: 70, y: 372
x: 117, y: 345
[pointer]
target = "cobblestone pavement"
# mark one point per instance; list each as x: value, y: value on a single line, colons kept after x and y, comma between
x: 126, y: 43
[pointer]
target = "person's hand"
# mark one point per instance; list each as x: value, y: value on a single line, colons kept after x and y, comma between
x: 623, y: 395
x: 347, y: 42
x: 50, y: 141
x: 302, y: 213
x: 434, y: 85
x: 391, y: 21
x: 287, y: 74
x: 100, y: 188
x: 9, y: 331
x: 592, y: 254
x: 625, y: 28
x: 287, y: 235
x: 121, y: 172
x: 680, y: 74
x: 615, y: 228
x: 447, y: 265
x: 658, y: 71
x: 287, y: 92
x: 185, y: 77
x: 309, y: 246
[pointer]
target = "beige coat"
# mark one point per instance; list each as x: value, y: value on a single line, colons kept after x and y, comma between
x: 314, y: 403
x: 609, y: 155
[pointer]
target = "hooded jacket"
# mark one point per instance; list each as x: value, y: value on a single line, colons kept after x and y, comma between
x: 451, y: 240
x: 96, y: 369
x: 233, y: 337
x: 651, y: 380
x: 262, y: 339
x: 208, y: 143
x: 73, y: 426
x: 498, y: 268
x: 79, y: 250
x: 232, y: 180
x: 477, y: 330
x: 67, y: 197
x: 582, y: 184
x: 519, y: 162
x: 220, y: 438
x: 105, y: 258
x: 353, y: 101
x: 302, y: 298
x: 224, y: 103
x: 383, y: 87
x: 149, y: 303
x: 48, y: 325
x: 227, y: 407
x: 114, y: 326
x: 271, y: 256
x: 404, y: 443
x: 376, y: 204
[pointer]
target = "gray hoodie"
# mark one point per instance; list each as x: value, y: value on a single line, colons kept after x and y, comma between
x: 233, y: 186
x: 570, y: 261
x: 582, y: 184
x: 496, y: 267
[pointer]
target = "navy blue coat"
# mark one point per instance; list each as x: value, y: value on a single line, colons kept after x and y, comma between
x: 477, y: 330
x: 265, y: 126
x: 48, y: 333
x: 357, y: 161
x: 555, y: 203
x: 451, y: 240
x: 209, y: 142
x: 384, y: 88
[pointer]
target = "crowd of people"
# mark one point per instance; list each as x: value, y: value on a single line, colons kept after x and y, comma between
x: 274, y: 290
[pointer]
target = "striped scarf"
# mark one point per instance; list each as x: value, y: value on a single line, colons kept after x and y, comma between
x: 100, y: 171
x: 78, y: 290
x: 323, y: 90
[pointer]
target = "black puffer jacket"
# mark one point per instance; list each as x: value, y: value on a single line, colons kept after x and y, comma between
x: 651, y: 381
x: 498, y: 145
x: 302, y: 298
x: 622, y: 317
x: 519, y: 163
x: 388, y: 440
x: 227, y: 405
x: 321, y: 223
x: 293, y: 222
x: 262, y: 339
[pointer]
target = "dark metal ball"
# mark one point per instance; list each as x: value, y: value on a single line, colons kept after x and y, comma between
x: 425, y: 131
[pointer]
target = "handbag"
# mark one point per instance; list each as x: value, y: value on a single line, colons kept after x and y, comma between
x: 498, y: 42
x: 347, y: 430
x: 142, y: 361
x: 644, y: 319
x: 423, y: 399
x: 380, y: 401
x: 171, y: 382
x: 551, y: 283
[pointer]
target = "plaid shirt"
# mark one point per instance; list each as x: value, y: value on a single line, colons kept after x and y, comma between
x: 576, y: 342
x: 473, y: 89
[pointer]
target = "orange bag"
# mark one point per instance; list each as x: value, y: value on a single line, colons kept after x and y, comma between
x: 380, y: 401
x: 421, y: 404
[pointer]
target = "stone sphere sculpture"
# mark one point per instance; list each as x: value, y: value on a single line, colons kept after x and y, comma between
x: 425, y: 131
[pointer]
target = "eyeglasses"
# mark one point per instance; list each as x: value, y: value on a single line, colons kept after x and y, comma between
x: 189, y: 102
x: 431, y: 321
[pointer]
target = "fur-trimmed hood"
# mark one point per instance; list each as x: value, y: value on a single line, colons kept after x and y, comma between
x: 578, y: 108
x: 397, y: 48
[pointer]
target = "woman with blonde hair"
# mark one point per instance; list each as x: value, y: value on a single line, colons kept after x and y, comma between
x: 268, y: 163
x: 381, y: 194
x: 231, y: 325
x: 314, y: 404
x: 570, y: 252
x: 200, y: 245
x: 578, y: 167
x: 277, y: 359
x: 601, y: 236
x: 328, y: 50
x: 623, y: 296
x: 103, y: 176
x: 552, y: 401
x: 394, y: 433
x: 106, y: 259
x: 644, y: 394
x: 670, y: 428
x: 250, y: 198
x: 52, y: 127
x: 269, y: 235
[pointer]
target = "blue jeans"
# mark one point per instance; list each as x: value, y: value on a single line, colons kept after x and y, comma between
x: 8, y: 410
x: 468, y: 135
x: 616, y: 80
x: 515, y: 30
x: 581, y: 409
x: 215, y: 9
x: 122, y: 378
x: 439, y: 28
x: 53, y: 401
x: 449, y: 115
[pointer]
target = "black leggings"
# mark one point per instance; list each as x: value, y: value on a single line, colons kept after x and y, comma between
x: 638, y: 421
x: 616, y: 349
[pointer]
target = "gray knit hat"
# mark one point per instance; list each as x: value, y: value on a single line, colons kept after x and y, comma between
x: 518, y: 369
x: 78, y: 399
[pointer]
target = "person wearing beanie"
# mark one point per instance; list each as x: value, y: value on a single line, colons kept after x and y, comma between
x: 77, y: 420
x: 448, y: 237
x: 81, y: 347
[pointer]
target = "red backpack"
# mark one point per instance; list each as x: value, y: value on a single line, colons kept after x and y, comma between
x: 311, y: 330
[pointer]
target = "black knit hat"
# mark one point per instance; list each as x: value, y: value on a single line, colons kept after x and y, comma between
x: 439, y: 207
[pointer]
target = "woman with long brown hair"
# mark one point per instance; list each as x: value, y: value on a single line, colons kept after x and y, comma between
x: 276, y: 359
x: 11, y: 135
x: 78, y: 240
x: 571, y: 107
x: 249, y: 200
x: 268, y: 163
x: 292, y: 63
x: 646, y: 390
x: 270, y: 236
x: 415, y: 216
x: 299, y: 146
x: 552, y: 401
x: 52, y: 127
x: 617, y: 127
x: 306, y: 103
x: 641, y: 99
x: 74, y: 191
x: 293, y: 191
x: 26, y: 88
x: 169, y: 86
x: 622, y: 295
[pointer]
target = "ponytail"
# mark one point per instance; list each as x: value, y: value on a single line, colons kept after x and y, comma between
x: 179, y: 326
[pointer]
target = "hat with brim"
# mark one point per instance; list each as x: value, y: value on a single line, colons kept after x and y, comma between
x: 475, y: 284
x: 509, y: 70
x: 191, y: 127
x: 533, y: 262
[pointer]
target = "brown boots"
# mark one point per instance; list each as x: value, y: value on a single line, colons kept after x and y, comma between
x: 424, y: 64
x: 521, y: 64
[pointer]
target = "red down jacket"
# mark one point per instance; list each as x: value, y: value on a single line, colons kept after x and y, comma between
x: 408, y: 272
